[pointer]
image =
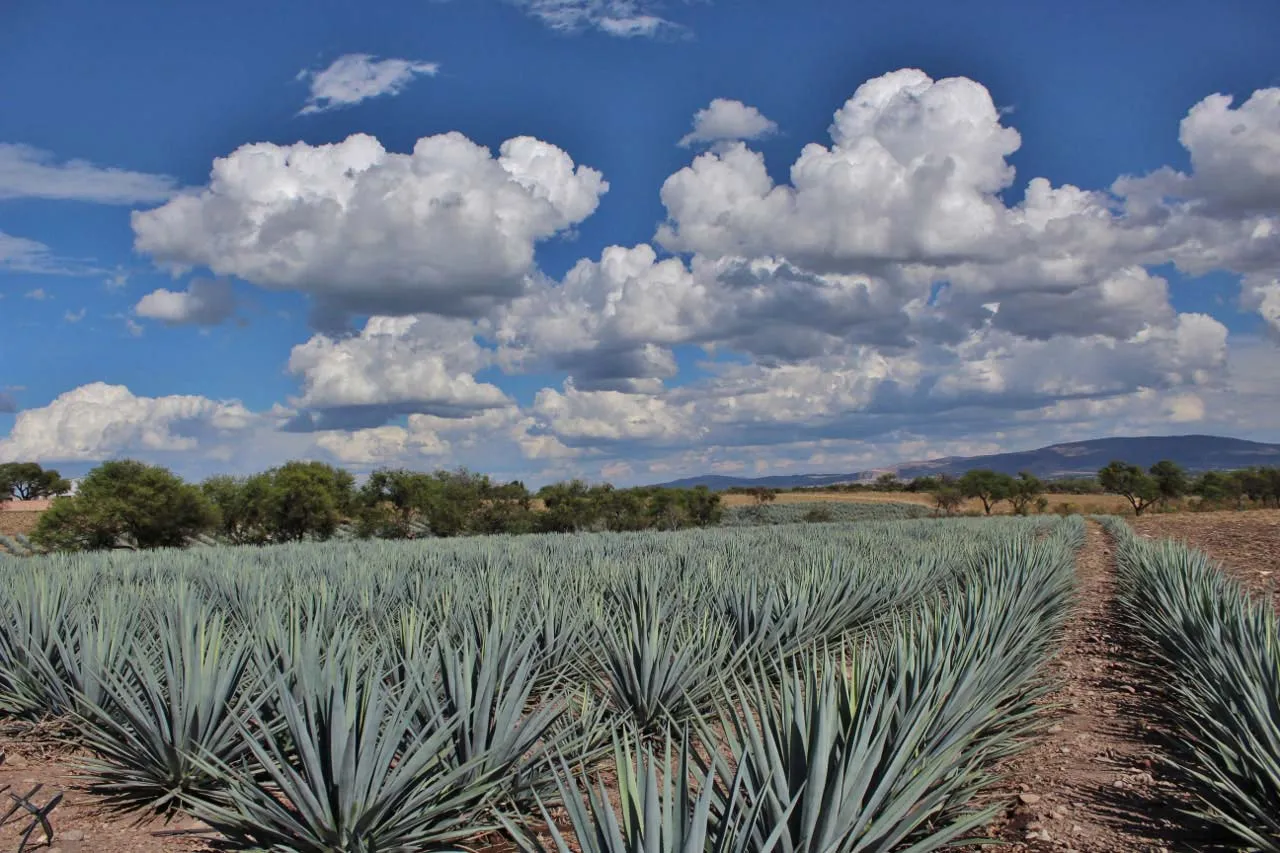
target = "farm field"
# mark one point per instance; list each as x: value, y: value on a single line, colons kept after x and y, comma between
x: 1086, y: 504
x: 1246, y: 543
x: 939, y: 680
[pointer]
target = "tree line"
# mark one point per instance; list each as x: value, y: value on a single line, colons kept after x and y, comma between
x: 133, y: 504
x: 130, y: 503
x: 1160, y: 485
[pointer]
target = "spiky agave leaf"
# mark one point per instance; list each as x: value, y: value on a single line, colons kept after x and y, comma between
x: 179, y: 697
x: 503, y: 730
x: 659, y: 808
x: 364, y: 773
x: 832, y: 766
x: 34, y: 613
x: 94, y: 646
x: 1221, y: 665
x: 656, y: 667
x: 885, y: 751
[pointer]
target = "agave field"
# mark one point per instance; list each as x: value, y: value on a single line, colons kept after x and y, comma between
x: 1218, y: 655
x: 751, y: 689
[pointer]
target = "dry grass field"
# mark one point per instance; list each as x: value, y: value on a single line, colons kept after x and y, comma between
x: 1088, y: 504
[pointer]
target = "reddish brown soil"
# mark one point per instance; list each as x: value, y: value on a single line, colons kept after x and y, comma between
x: 78, y: 823
x: 1093, y: 782
x: 11, y: 522
x: 1247, y: 544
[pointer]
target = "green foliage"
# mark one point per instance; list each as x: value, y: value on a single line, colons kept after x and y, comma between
x: 947, y: 498
x: 126, y: 502
x: 1164, y: 482
x: 1026, y: 491
x: 307, y: 499
x: 356, y: 770
x: 887, y: 482
x: 1171, y: 480
x: 27, y: 481
x: 575, y: 507
x: 988, y: 486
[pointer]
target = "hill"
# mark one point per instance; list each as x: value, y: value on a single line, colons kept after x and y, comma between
x: 1074, y: 459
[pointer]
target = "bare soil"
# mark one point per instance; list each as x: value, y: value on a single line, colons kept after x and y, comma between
x: 1094, y: 782
x: 13, y: 521
x: 79, y: 823
x: 1247, y: 544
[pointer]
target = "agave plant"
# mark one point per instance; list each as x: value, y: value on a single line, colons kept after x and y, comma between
x: 178, y: 698
x: 656, y: 667
x: 659, y: 811
x: 1221, y: 664
x: 503, y: 729
x: 364, y: 772
x: 34, y: 613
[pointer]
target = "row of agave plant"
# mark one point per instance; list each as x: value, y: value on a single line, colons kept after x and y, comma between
x: 1220, y: 672
x: 750, y: 691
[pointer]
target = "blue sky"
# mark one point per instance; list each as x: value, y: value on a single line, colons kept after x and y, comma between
x: 599, y: 299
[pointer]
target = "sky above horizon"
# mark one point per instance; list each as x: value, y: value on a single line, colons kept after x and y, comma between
x: 632, y: 241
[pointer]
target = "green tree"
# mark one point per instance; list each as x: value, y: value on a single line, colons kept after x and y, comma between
x: 392, y: 500
x: 1171, y: 480
x: 925, y: 485
x: 1132, y: 483
x: 27, y: 481
x: 243, y: 506
x: 307, y: 499
x: 887, y: 482
x: 986, y: 485
x: 566, y: 507
x: 1025, y: 492
x: 126, y: 502
x: 947, y: 498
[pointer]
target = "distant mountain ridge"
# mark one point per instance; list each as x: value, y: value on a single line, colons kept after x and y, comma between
x: 1073, y: 459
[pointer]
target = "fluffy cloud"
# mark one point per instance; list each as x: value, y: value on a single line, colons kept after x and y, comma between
x: 726, y: 120
x: 887, y: 301
x: 98, y: 421
x: 447, y: 229
x: 358, y: 77
x: 1234, y: 154
x: 203, y: 303
x: 395, y: 366
x: 593, y: 416
x: 380, y: 445
x: 27, y: 172
x: 911, y: 177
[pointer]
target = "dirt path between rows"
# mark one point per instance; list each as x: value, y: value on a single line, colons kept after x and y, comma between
x: 1094, y: 783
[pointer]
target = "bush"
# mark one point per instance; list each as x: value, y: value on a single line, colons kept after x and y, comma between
x: 126, y: 503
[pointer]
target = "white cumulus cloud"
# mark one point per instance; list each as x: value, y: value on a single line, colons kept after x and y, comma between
x: 447, y: 229
x: 358, y: 77
x: 203, y: 303
x: 395, y: 366
x: 99, y: 421
x: 725, y: 120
